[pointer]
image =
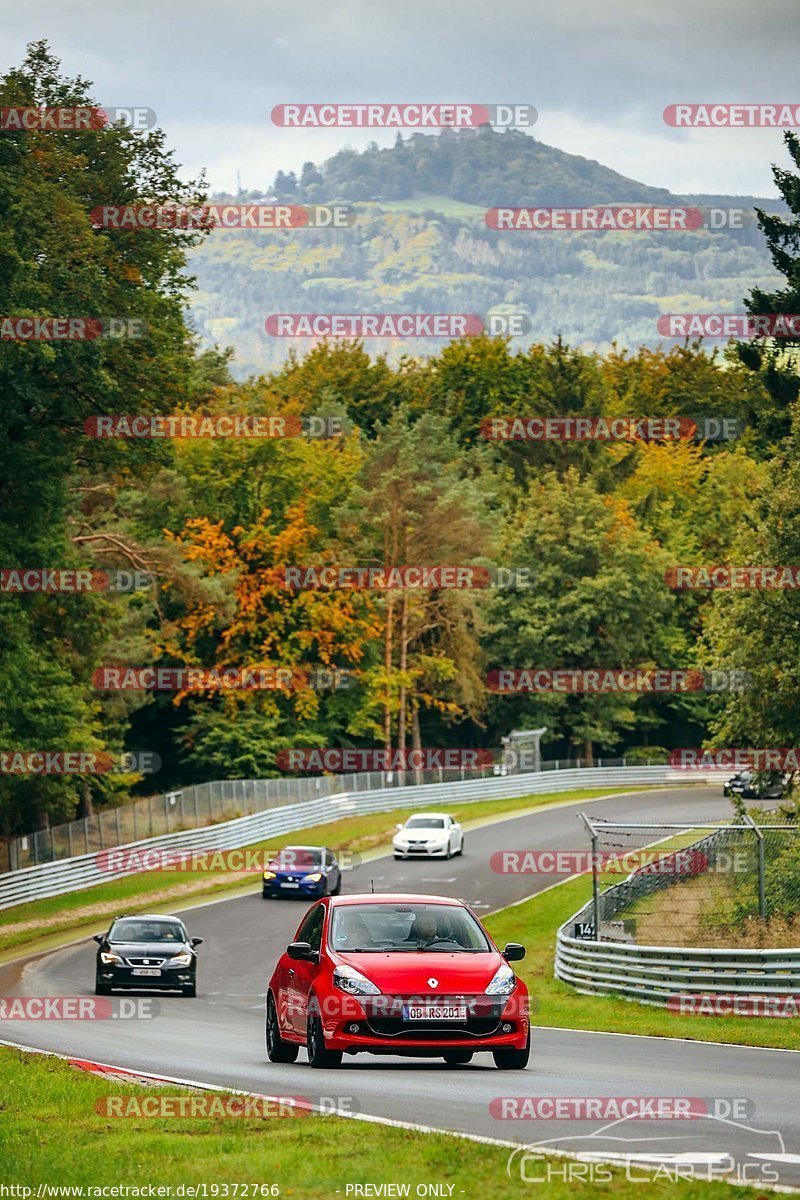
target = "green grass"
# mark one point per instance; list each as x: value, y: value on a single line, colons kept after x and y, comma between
x: 535, y: 922
x: 54, y: 1135
x: 41, y: 924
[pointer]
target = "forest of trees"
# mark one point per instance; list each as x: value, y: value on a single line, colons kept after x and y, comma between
x: 409, y: 480
x: 420, y: 242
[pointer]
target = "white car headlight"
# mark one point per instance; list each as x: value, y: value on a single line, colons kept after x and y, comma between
x: 348, y: 979
x: 503, y: 983
x: 181, y: 960
x: 110, y: 958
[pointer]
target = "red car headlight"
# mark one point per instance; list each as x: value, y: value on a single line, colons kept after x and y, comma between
x: 503, y: 983
x: 348, y: 979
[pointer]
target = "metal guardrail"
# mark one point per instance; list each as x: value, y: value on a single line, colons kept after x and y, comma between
x: 202, y: 804
x: 660, y: 974
x: 667, y: 975
x: 85, y: 870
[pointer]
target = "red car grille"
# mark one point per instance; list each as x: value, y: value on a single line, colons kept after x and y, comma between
x: 385, y: 1017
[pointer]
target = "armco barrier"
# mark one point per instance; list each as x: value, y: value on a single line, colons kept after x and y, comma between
x: 658, y: 974
x: 663, y: 974
x: 72, y: 874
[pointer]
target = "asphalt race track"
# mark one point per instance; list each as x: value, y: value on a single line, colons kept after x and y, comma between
x: 219, y: 1037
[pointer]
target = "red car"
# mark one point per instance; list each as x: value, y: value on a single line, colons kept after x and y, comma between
x: 395, y: 974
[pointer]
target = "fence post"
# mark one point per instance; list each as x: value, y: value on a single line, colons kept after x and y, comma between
x: 595, y: 881
x: 762, y: 868
x: 86, y: 833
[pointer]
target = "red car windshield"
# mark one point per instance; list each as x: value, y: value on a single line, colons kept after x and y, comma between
x: 381, y: 928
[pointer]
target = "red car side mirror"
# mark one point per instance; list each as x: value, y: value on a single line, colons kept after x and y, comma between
x: 302, y: 951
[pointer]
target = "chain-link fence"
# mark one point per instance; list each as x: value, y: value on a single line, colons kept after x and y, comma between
x: 209, y: 803
x: 735, y: 885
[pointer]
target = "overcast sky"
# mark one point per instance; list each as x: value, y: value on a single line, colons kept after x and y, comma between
x: 599, y: 72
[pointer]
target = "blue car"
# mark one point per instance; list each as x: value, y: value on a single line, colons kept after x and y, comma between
x: 308, y: 871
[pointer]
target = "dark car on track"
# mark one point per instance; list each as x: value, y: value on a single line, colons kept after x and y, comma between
x: 756, y: 785
x: 144, y: 952
x: 306, y: 871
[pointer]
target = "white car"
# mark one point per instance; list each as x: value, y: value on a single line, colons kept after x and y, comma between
x: 435, y: 835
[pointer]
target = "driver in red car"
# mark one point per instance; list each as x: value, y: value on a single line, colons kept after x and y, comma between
x: 425, y: 930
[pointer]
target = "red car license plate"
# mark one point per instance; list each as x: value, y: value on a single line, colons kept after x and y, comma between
x: 435, y: 1012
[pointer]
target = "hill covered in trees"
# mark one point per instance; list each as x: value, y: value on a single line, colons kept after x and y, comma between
x: 420, y: 243
x: 479, y: 167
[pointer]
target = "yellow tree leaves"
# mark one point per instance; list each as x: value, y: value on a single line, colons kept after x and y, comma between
x: 270, y: 625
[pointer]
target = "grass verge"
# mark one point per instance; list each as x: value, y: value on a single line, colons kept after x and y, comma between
x: 42, y: 924
x: 534, y: 923
x: 302, y: 1159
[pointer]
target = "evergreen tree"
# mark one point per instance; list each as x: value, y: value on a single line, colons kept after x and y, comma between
x: 777, y: 361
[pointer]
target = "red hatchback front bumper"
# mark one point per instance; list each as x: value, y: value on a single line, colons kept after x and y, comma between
x: 381, y: 1023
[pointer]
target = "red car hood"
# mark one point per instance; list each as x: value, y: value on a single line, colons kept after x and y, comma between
x: 411, y: 972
